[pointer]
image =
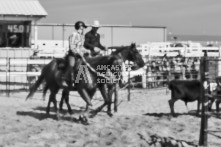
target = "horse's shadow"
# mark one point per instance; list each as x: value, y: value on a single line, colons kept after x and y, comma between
x: 37, y: 115
x: 169, y: 115
x: 63, y: 111
x: 42, y: 115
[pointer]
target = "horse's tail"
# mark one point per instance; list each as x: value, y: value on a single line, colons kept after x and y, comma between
x: 34, y: 88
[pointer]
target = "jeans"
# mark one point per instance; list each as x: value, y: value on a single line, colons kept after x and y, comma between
x: 68, y: 73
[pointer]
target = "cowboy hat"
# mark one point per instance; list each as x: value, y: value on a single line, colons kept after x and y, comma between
x: 96, y: 24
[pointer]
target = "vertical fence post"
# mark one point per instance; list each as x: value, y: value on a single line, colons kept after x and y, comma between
x: 128, y: 98
x: 144, y: 77
x: 63, y: 32
x: 52, y: 32
x: 8, y: 77
x: 204, y: 117
x: 35, y: 35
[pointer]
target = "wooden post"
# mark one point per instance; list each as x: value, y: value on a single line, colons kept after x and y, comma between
x: 8, y: 77
x: 7, y: 71
x: 35, y: 34
x: 204, y: 118
x: 128, y: 98
x: 63, y: 32
x: 144, y: 77
x: 52, y: 32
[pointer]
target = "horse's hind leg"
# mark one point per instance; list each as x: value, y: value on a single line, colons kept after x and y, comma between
x: 53, y: 99
x: 63, y: 96
x: 48, y: 107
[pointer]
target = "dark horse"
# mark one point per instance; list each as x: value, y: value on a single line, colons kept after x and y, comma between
x: 86, y: 78
x: 122, y: 54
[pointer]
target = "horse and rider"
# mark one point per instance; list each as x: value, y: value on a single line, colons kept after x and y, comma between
x: 85, y: 46
x: 56, y: 78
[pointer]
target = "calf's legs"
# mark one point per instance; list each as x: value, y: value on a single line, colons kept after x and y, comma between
x: 171, y: 104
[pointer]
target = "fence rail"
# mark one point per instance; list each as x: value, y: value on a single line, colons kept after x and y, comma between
x: 25, y: 68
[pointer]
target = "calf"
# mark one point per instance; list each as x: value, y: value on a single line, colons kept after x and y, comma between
x: 187, y: 91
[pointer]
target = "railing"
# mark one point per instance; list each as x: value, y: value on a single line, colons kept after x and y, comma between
x: 17, y: 73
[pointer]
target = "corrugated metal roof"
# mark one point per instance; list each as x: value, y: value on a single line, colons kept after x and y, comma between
x: 22, y: 7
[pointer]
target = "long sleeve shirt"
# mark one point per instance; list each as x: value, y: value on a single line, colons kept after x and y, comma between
x: 92, y: 40
x: 76, y: 41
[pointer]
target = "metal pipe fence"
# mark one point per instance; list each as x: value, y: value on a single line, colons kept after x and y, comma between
x: 18, y: 74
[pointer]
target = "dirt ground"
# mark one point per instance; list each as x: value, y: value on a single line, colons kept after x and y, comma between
x: 138, y: 123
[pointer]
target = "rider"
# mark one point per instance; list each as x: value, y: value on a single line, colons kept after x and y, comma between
x: 76, y: 41
x: 92, y: 40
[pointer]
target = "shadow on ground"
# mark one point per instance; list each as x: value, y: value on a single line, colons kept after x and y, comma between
x: 191, y: 113
x: 42, y: 115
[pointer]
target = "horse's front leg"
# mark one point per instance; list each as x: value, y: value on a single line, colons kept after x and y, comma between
x: 65, y: 97
x: 107, y: 99
x: 87, y: 98
x: 116, y: 97
x: 52, y: 98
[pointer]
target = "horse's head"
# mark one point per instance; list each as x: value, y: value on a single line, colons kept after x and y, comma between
x: 135, y: 56
x: 129, y: 53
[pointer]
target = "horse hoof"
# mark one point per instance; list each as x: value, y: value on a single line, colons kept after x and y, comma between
x: 109, y: 114
x: 93, y: 113
x: 83, y: 119
x: 70, y: 112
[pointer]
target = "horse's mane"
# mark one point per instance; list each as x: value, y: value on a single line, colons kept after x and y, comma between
x: 94, y: 61
x: 118, y: 49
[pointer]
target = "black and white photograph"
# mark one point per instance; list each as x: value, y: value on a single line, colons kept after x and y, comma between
x: 110, y: 73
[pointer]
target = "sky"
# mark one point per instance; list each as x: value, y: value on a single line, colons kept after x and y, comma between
x: 186, y: 17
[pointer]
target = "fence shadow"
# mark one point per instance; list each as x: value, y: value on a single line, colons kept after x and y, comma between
x: 169, y: 115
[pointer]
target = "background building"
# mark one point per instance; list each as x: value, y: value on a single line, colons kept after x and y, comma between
x: 111, y: 35
x: 16, y: 18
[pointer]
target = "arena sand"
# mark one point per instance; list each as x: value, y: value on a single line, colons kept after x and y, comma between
x: 147, y: 115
